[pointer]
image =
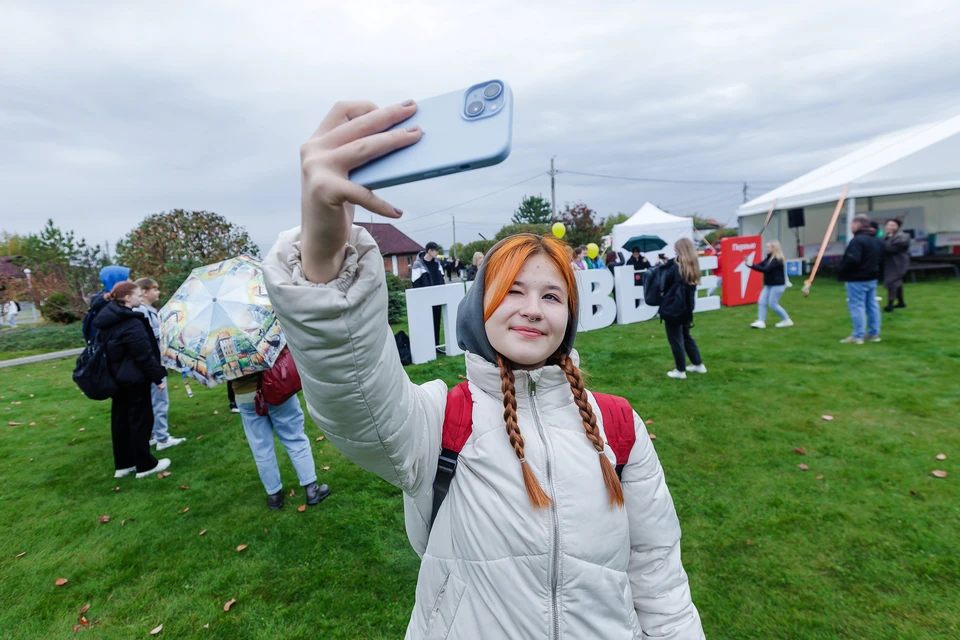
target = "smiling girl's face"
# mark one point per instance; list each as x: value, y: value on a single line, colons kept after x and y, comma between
x: 529, y: 325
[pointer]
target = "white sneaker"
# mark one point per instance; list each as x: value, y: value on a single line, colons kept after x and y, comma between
x: 680, y: 375
x: 759, y: 324
x: 851, y: 340
x: 873, y: 338
x: 119, y: 473
x: 699, y: 368
x: 170, y: 442
x: 161, y: 465
x: 785, y: 323
x: 153, y: 442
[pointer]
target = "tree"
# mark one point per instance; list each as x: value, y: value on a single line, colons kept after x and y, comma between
x: 473, y: 247
x: 513, y: 229
x: 615, y: 219
x: 60, y: 263
x: 533, y: 210
x: 12, y: 244
x: 168, y: 246
x: 581, y: 223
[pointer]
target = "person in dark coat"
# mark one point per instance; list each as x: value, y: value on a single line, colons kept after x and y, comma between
x: 474, y: 266
x: 896, y: 261
x: 860, y: 268
x: 638, y: 261
x: 613, y: 260
x: 426, y: 273
x: 134, y: 358
x: 680, y: 282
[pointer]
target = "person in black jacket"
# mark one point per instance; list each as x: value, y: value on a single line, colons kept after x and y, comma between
x: 134, y: 358
x: 774, y: 284
x: 109, y: 276
x: 681, y: 278
x: 860, y: 268
x: 426, y: 273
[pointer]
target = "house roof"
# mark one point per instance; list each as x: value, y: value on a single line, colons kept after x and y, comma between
x: 391, y: 240
x: 922, y: 158
x: 10, y: 270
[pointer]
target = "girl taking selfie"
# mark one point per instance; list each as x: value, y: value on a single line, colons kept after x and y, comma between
x: 538, y: 537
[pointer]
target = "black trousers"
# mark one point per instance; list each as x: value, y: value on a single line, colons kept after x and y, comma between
x: 437, y: 312
x: 682, y: 344
x: 895, y: 292
x: 131, y: 423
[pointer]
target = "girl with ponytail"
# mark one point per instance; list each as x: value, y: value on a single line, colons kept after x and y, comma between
x: 538, y: 536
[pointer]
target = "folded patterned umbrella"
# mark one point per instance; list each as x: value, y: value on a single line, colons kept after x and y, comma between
x: 220, y: 325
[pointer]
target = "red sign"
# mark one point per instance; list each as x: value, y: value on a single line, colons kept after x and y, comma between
x: 741, y: 284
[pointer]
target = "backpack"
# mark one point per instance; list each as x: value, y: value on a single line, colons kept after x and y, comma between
x: 92, y: 372
x: 654, y: 281
x: 278, y: 384
x: 618, y: 426
x: 19, y: 308
x: 403, y: 348
x: 674, y: 305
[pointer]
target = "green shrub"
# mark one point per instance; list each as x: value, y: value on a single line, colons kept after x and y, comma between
x: 56, y: 308
x: 396, y: 300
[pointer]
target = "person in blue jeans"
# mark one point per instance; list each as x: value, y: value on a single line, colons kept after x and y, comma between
x: 774, y: 284
x: 860, y: 269
x: 286, y: 420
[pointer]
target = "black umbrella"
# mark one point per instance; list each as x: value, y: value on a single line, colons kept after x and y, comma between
x: 644, y: 243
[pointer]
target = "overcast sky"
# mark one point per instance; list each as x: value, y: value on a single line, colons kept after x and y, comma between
x: 110, y: 111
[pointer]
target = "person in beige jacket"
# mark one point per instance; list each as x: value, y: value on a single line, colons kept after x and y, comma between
x: 537, y: 538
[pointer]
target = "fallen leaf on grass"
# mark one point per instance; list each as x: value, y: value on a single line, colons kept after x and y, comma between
x: 17, y: 402
x: 302, y: 508
x: 157, y: 630
x: 21, y: 554
x: 319, y: 439
x: 648, y: 422
x: 229, y: 603
x: 184, y: 487
x: 292, y: 493
x: 241, y: 547
x: 749, y: 541
x: 31, y: 395
x: 937, y: 473
x: 123, y: 522
x: 84, y: 622
x: 941, y: 456
x: 84, y: 609
x: 14, y: 424
x: 163, y: 474
x: 215, y: 412
x: 115, y: 489
x: 76, y: 628
x: 104, y: 518
x: 326, y: 468
x: 653, y: 436
x: 800, y: 450
x: 61, y: 581
x: 33, y: 424
x: 206, y: 626
x: 265, y: 530
x: 200, y: 436
x: 203, y: 532
x: 820, y: 477
x: 184, y: 510
x: 827, y: 418
x: 83, y: 428
x: 803, y: 467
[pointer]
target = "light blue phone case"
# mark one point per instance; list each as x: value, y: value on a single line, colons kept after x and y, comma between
x: 452, y: 141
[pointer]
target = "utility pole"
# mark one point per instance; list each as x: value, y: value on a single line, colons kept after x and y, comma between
x: 744, y: 191
x: 454, y: 218
x: 553, y: 191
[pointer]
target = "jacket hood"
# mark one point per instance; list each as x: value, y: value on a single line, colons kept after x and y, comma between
x: 113, y: 313
x: 471, y: 333
x: 110, y: 276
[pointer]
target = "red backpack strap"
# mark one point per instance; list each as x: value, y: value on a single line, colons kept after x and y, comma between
x: 618, y: 426
x: 457, y: 427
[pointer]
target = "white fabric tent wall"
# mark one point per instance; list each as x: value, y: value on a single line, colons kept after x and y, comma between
x: 650, y: 220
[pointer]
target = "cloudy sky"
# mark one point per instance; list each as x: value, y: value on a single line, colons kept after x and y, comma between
x: 110, y: 111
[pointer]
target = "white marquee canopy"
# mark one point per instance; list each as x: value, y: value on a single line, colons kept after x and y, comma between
x: 650, y: 220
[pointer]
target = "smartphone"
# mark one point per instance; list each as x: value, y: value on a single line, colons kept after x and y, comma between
x: 462, y: 131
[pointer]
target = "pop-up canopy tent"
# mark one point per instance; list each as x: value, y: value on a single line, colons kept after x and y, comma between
x: 650, y: 220
x: 912, y: 174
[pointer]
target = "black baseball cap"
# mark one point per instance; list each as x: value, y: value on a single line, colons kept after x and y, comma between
x: 432, y: 245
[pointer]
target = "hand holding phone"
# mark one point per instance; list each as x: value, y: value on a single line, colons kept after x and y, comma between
x: 351, y: 135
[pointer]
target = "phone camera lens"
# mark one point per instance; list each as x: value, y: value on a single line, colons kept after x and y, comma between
x: 474, y: 108
x: 492, y: 90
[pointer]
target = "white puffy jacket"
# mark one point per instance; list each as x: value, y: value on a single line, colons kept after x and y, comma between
x: 493, y: 566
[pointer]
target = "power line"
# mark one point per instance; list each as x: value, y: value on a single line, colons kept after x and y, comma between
x: 460, y: 204
x: 665, y: 180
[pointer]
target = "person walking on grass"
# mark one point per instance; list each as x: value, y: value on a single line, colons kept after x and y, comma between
x: 538, y: 537
x: 774, y: 285
x: 286, y: 421
x: 159, y: 394
x: 134, y: 360
x: 859, y: 269
x: 896, y: 261
x: 680, y: 280
x: 10, y: 311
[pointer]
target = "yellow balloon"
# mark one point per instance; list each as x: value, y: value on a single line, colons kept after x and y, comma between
x: 593, y: 250
x: 558, y: 229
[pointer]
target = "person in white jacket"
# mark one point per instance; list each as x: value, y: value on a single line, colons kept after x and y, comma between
x: 537, y: 538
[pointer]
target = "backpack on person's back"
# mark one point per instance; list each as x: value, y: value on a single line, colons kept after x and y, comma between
x: 92, y: 372
x: 672, y: 300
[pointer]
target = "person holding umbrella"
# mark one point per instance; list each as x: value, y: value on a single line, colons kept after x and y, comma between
x: 638, y: 261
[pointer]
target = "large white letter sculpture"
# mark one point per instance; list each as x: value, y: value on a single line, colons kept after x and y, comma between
x: 420, y: 304
x: 630, y: 305
x: 597, y: 308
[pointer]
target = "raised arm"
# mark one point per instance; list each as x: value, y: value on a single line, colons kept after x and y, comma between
x: 327, y: 285
x: 661, y: 593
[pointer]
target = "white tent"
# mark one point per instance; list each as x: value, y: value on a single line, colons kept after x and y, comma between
x: 650, y: 220
x: 913, y: 173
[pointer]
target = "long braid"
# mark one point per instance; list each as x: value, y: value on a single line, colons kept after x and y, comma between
x: 592, y: 430
x: 538, y: 496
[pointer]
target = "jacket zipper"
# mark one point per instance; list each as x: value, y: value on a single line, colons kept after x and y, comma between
x: 555, y: 542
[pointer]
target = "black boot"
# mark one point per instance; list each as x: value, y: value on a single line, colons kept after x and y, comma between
x: 900, y: 303
x: 316, y: 493
x: 889, y: 307
x: 275, y: 501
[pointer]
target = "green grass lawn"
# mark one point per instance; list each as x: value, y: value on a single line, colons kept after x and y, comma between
x: 865, y: 544
x: 29, y: 340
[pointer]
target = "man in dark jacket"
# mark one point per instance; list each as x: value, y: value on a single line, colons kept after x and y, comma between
x: 426, y: 273
x: 109, y: 276
x: 860, y: 268
x: 896, y: 261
